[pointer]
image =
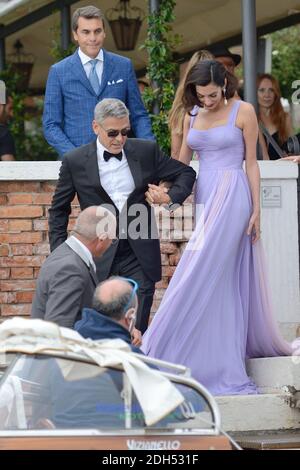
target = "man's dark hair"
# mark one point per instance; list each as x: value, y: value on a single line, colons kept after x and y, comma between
x: 89, y: 13
x: 115, y: 308
x: 202, y: 74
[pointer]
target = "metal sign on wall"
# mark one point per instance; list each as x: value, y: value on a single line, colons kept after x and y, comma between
x: 271, y: 196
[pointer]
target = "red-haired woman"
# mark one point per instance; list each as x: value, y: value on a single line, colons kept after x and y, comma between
x: 272, y: 115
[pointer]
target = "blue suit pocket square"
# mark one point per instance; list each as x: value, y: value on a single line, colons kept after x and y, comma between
x: 113, y: 82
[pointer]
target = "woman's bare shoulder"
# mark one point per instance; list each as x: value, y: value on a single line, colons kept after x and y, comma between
x: 246, y: 107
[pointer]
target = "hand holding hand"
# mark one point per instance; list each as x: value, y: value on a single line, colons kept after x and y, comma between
x: 157, y: 194
x: 165, y: 184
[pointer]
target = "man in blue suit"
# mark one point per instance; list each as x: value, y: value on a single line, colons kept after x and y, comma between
x: 76, y: 84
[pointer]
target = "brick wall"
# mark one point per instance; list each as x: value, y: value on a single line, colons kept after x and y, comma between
x: 24, y: 243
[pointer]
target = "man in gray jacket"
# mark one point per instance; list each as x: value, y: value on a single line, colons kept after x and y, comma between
x: 67, y: 279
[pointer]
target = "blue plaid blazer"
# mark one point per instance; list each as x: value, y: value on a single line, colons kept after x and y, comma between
x: 70, y: 101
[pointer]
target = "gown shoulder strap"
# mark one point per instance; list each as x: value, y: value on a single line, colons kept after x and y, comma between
x: 234, y: 112
x: 193, y: 114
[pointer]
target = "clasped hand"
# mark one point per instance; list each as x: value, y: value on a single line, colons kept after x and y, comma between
x: 157, y: 194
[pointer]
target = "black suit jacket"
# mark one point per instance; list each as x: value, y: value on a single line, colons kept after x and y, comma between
x: 79, y: 175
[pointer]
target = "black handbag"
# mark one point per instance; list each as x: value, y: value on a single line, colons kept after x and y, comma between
x: 270, y: 140
x: 293, y: 145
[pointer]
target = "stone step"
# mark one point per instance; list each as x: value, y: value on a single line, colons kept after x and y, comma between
x: 282, y: 440
x: 263, y: 412
x: 277, y: 407
x: 275, y: 374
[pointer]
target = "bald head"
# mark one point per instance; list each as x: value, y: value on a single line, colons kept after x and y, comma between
x: 112, y: 289
x: 95, y: 222
x: 114, y: 298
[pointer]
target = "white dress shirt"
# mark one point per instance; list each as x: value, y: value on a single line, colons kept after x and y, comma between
x: 115, y: 177
x: 85, y: 60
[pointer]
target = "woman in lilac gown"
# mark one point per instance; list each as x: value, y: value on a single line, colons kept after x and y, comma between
x: 216, y: 311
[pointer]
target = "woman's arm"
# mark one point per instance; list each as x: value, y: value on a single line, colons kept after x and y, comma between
x: 176, y: 143
x: 7, y: 157
x: 250, y: 131
x: 185, y: 151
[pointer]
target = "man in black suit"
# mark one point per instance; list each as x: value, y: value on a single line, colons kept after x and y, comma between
x: 117, y: 172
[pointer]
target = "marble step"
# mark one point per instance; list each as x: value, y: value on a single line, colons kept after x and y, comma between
x: 263, y: 412
x: 282, y: 440
x: 277, y: 407
x: 275, y: 374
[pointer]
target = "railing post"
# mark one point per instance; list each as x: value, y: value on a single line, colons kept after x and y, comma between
x: 249, y: 50
x: 65, y: 16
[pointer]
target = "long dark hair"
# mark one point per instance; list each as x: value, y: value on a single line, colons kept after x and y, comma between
x: 202, y: 74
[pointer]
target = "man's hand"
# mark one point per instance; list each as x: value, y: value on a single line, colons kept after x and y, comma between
x: 157, y: 195
x: 136, y: 337
x: 165, y: 184
x: 291, y: 158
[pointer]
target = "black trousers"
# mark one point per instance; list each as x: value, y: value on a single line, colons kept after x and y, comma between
x: 126, y: 264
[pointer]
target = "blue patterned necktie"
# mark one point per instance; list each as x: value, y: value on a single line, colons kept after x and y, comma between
x: 93, y: 77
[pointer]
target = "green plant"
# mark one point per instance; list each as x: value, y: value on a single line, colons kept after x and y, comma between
x: 36, y: 147
x: 286, y: 58
x: 56, y: 51
x: 162, y: 70
x: 30, y: 144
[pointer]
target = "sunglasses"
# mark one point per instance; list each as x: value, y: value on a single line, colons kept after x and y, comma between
x: 135, y: 287
x: 114, y: 132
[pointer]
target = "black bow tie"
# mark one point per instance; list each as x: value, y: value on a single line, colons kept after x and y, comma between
x: 107, y: 155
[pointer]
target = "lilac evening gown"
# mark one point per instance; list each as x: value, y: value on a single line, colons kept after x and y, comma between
x: 216, y: 311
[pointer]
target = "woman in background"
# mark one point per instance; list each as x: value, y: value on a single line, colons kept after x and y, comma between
x: 272, y: 116
x: 177, y: 112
